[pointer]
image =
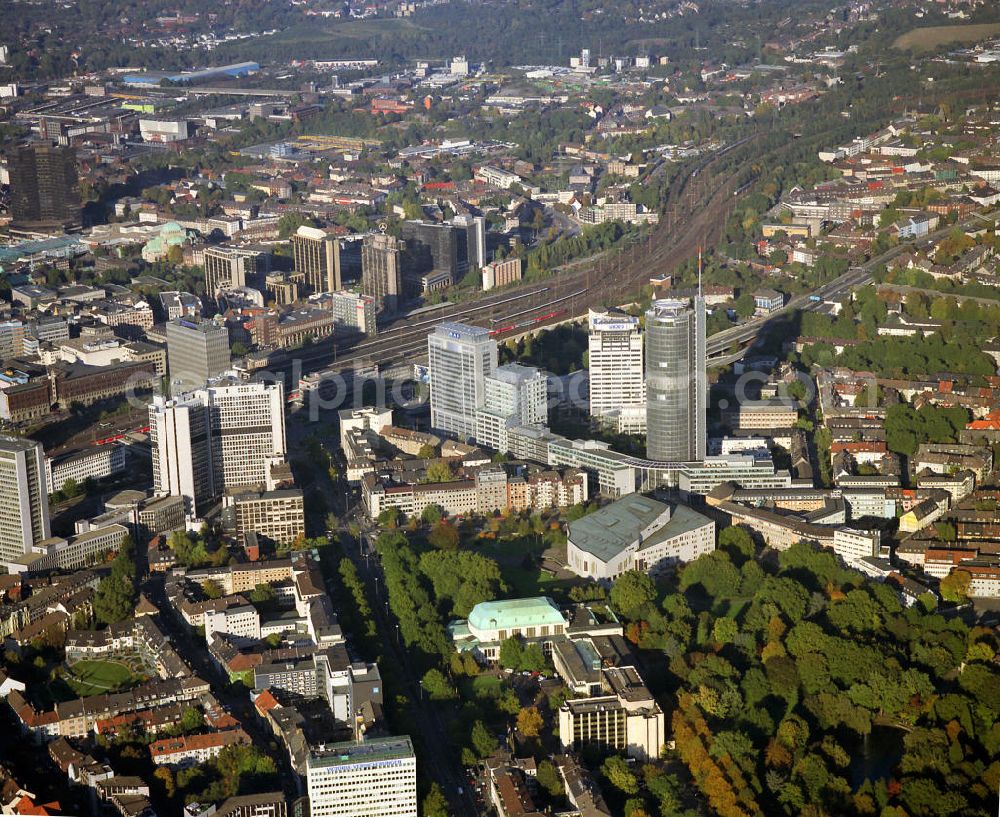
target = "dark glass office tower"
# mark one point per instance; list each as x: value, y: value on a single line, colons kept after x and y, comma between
x: 45, y: 189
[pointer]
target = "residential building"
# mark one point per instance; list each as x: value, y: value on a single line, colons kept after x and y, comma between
x: 197, y: 351
x: 24, y: 500
x: 192, y: 750
x: 11, y: 339
x: 636, y: 533
x: 762, y: 415
x: 45, y: 190
x: 180, y: 305
x: 317, y: 257
x: 242, y: 621
x: 617, y: 378
x: 382, y: 270
x: 376, y: 778
x: 459, y: 359
x: 676, y: 388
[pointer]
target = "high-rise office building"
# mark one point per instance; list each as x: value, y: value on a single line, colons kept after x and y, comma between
x: 45, y: 193
x: 382, y: 269
x: 197, y: 351
x: 676, y: 387
x: 617, y: 379
x: 24, y: 499
x: 316, y: 255
x: 514, y: 395
x: 181, y: 452
x: 432, y: 246
x: 459, y: 359
x: 471, y: 232
x: 215, y: 439
x: 376, y: 778
x: 247, y: 425
x: 233, y: 267
x: 45, y: 188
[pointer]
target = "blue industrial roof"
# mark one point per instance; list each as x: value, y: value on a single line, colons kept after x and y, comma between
x: 238, y: 69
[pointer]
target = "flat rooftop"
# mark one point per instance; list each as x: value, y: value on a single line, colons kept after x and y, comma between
x: 371, y: 751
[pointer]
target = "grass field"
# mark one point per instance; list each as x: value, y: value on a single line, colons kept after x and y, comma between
x: 94, y: 677
x: 349, y: 29
x: 522, y: 580
x: 929, y: 38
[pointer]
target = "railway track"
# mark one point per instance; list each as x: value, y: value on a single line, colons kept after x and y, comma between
x: 703, y: 197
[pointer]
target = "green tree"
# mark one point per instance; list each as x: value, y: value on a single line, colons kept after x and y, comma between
x: 511, y: 652
x: 438, y: 471
x: 483, y: 741
x: 632, y: 591
x: 191, y: 720
x: 549, y: 779
x: 444, y: 535
x: 955, y: 586
x: 724, y: 630
x: 390, y: 517
x: 432, y: 514
x: 116, y: 594
x: 213, y: 589
x: 435, y: 804
x: 619, y: 775
x: 263, y: 594
x: 737, y: 541
x: 427, y: 452
x: 437, y: 686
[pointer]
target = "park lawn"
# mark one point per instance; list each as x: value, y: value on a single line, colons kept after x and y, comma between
x: 928, y: 38
x: 486, y: 686
x: 88, y: 677
x: 521, y: 580
x: 525, y: 583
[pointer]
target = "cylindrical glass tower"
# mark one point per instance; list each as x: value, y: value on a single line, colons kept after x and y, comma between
x: 675, y: 381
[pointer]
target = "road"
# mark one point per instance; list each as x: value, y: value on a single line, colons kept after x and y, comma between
x: 436, y: 753
x: 702, y: 199
x: 235, y: 701
x: 854, y: 278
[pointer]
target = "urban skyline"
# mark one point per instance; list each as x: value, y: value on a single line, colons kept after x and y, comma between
x: 441, y: 409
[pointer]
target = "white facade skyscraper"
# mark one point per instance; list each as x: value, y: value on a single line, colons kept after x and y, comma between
x: 376, y: 778
x: 217, y: 438
x: 178, y: 434
x: 459, y: 359
x: 24, y: 499
x: 617, y: 379
x: 514, y: 395
x: 676, y: 387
